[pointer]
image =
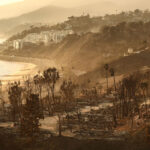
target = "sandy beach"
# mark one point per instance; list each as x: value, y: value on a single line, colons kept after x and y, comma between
x: 26, y: 69
x: 29, y: 66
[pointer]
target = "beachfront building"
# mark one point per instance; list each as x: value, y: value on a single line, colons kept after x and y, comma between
x: 48, y: 37
x: 54, y: 36
x: 33, y: 38
x: 18, y: 44
x: 45, y: 37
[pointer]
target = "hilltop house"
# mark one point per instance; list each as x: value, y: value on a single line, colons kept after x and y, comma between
x: 129, y: 52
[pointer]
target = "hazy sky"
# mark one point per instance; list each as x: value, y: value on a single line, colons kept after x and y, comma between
x: 5, y: 2
x: 71, y: 3
x: 65, y: 3
x: 10, y: 8
x: 55, y: 2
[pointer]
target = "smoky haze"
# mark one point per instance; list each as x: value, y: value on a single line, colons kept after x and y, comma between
x: 100, y: 6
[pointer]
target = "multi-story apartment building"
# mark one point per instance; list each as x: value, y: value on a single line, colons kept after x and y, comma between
x: 46, y: 37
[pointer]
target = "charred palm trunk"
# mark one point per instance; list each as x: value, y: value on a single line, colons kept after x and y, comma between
x: 107, y: 80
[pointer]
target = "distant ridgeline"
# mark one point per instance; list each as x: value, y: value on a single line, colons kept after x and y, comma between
x: 111, y: 27
x: 85, y: 23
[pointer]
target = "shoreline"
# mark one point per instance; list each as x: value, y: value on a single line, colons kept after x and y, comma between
x: 25, y: 70
x: 37, y: 61
x: 40, y: 62
x: 31, y: 66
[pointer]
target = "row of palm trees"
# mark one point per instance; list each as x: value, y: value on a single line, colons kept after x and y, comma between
x: 131, y: 92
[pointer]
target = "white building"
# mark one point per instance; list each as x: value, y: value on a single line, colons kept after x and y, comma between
x: 33, y: 38
x: 17, y: 44
x: 130, y: 51
x: 47, y: 37
x: 55, y: 36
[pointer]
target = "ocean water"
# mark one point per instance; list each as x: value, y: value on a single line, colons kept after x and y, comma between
x: 9, y: 68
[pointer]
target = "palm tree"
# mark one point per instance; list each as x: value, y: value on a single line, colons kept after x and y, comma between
x: 106, y: 67
x: 112, y: 73
x: 115, y: 113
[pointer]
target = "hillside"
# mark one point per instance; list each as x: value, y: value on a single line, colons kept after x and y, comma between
x: 88, y: 53
x: 51, y: 15
x: 47, y: 15
x: 122, y: 66
x: 85, y: 23
x: 74, y: 51
x: 20, y: 7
